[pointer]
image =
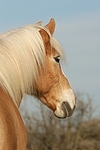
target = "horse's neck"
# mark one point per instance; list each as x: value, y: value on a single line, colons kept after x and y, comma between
x: 12, y: 130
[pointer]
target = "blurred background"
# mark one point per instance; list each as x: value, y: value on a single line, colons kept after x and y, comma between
x: 78, y: 30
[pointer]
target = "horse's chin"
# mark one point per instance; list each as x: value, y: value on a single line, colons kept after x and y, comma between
x: 63, y: 111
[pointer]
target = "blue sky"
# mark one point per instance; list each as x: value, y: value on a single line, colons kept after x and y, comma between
x: 78, y: 30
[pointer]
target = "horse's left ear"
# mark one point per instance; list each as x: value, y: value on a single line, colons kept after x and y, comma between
x: 51, y: 27
x: 39, y: 23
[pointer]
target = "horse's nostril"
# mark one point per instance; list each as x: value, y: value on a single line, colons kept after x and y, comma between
x: 67, y: 108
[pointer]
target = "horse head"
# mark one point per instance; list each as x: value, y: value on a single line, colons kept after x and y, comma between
x: 52, y: 86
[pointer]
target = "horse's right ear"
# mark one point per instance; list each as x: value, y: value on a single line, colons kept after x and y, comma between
x: 51, y: 27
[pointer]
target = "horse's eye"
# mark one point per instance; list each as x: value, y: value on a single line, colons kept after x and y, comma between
x: 57, y: 59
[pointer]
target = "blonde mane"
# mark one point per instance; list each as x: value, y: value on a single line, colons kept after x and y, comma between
x: 21, y: 52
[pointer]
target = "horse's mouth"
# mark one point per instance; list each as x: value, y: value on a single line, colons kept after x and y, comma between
x: 64, y: 110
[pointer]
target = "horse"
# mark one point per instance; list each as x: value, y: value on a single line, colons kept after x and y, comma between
x: 30, y: 63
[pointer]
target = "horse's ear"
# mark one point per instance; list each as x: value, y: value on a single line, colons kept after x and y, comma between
x: 39, y: 23
x: 51, y: 27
